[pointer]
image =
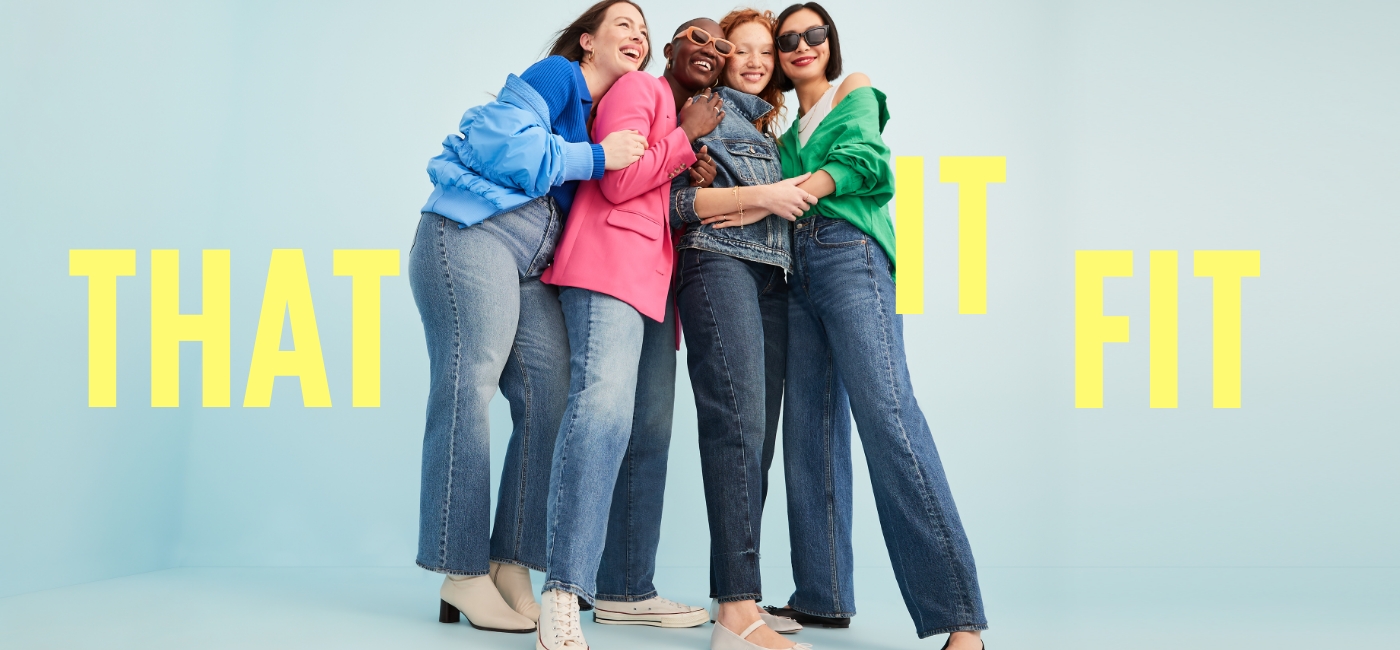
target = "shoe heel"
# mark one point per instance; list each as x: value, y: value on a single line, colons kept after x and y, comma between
x: 448, y: 613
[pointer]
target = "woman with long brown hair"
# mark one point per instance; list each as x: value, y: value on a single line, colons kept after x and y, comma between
x: 501, y: 189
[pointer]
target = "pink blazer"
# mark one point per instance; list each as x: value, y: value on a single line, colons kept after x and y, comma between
x: 617, y: 239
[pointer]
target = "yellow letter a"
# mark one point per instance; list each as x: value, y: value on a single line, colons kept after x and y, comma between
x: 287, y: 292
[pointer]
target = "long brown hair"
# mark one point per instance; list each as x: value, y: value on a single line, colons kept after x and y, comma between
x: 770, y: 92
x: 566, y: 41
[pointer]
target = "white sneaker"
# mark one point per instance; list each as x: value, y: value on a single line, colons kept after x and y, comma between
x: 559, y: 624
x: 656, y: 611
x: 780, y: 624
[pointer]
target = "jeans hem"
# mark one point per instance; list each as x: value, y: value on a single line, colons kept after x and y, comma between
x: 533, y: 567
x: 451, y: 572
x: 976, y: 627
x: 573, y: 589
x: 809, y: 612
x: 734, y: 599
x: 618, y: 598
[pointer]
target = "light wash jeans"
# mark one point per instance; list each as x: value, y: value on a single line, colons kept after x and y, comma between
x: 734, y: 313
x: 608, y: 478
x: 488, y: 321
x: 846, y: 356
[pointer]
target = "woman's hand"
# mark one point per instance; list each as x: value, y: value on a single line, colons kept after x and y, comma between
x: 784, y: 198
x: 701, y: 114
x: 622, y: 148
x: 702, y: 173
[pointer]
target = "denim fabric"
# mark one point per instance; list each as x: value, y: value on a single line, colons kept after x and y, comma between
x: 734, y: 313
x: 847, y: 358
x: 605, y: 337
x: 743, y: 157
x: 488, y: 320
x: 634, y: 519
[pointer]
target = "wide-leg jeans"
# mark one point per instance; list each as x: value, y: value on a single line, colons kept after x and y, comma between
x: 488, y: 321
x: 846, y: 357
x: 608, y: 476
x: 734, y: 314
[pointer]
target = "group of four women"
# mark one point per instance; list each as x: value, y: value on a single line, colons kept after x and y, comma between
x: 574, y: 221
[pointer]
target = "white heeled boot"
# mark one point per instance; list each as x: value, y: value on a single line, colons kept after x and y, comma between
x: 559, y: 624
x: 724, y: 639
x: 477, y: 597
x: 513, y: 581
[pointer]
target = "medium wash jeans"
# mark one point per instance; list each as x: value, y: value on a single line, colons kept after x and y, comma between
x: 488, y: 321
x: 734, y: 313
x: 608, y: 478
x: 847, y: 358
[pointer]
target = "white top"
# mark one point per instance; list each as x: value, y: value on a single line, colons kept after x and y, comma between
x: 809, y: 122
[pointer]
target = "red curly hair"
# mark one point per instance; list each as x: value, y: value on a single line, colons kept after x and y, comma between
x: 770, y: 93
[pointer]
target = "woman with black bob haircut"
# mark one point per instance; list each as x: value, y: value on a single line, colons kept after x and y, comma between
x: 846, y: 357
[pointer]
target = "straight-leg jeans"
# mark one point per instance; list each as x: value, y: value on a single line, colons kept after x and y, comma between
x: 606, y: 338
x: 488, y: 321
x: 628, y: 565
x: 734, y: 314
x: 846, y: 357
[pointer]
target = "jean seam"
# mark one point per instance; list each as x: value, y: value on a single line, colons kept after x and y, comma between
x: 564, y: 454
x: 524, y: 450
x: 456, y: 393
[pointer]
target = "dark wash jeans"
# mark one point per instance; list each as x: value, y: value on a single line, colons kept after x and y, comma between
x: 846, y: 357
x: 488, y: 321
x: 734, y: 315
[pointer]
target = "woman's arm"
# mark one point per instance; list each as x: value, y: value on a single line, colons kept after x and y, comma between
x: 509, y: 147
x: 630, y: 104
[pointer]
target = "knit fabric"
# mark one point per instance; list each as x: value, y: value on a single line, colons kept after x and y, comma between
x: 560, y: 82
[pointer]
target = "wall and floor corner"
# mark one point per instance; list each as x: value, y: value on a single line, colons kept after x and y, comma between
x: 1170, y: 126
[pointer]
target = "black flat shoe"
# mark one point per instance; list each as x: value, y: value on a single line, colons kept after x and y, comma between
x: 950, y: 638
x: 809, y: 619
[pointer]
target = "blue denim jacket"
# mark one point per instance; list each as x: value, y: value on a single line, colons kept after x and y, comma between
x: 743, y: 157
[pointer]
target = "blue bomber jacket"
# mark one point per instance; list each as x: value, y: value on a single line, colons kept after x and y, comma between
x: 505, y: 156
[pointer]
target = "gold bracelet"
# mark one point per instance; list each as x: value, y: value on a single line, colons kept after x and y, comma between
x: 741, y: 207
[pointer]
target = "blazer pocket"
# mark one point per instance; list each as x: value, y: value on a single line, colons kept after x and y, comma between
x: 636, y: 222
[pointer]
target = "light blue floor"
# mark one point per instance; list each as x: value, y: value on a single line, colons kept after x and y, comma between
x: 1029, y: 608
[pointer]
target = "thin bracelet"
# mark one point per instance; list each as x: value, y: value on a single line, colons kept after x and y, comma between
x: 741, y: 207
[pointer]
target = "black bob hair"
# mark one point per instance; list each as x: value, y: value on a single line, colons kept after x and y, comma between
x: 833, y: 64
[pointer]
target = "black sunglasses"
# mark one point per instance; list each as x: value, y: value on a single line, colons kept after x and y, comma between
x: 814, y: 37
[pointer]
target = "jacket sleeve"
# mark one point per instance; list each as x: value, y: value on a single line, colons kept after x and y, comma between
x: 859, y: 161
x: 510, y: 147
x: 683, y: 202
x: 630, y: 104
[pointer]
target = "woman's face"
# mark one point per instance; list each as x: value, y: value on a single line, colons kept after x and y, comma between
x: 751, y: 66
x: 696, y: 67
x: 805, y: 63
x: 620, y: 43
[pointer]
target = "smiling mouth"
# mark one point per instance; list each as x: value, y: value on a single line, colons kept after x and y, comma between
x: 704, y: 65
x: 804, y: 60
x: 631, y: 52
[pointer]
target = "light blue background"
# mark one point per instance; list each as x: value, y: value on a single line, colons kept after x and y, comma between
x: 1136, y: 126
